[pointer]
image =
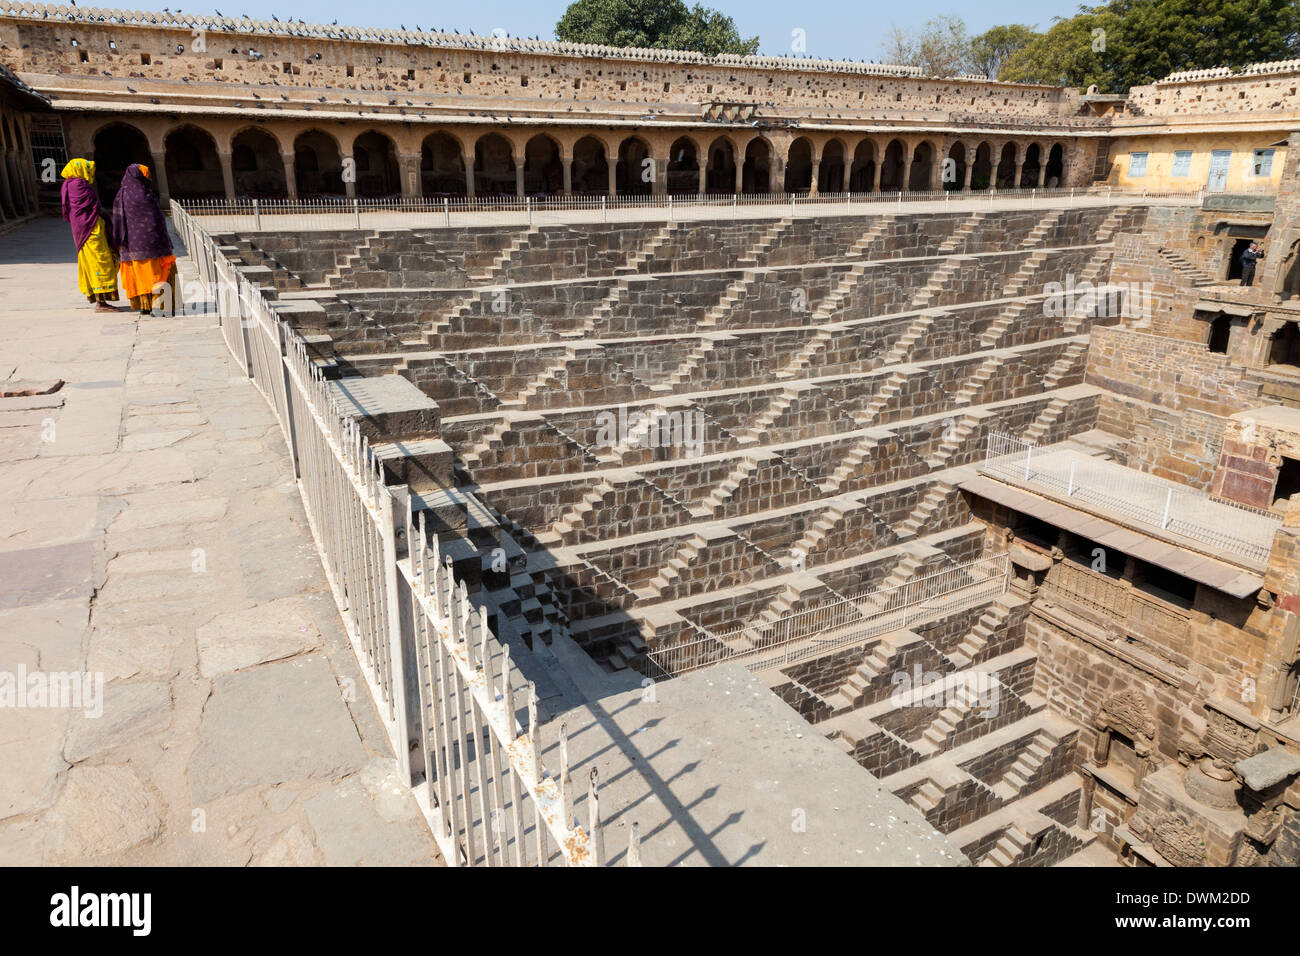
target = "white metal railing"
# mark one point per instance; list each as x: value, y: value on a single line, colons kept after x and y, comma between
x: 439, y: 678
x: 839, y: 620
x: 1108, y: 487
x: 396, y: 212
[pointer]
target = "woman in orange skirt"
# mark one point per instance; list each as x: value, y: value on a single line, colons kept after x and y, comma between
x: 148, y: 264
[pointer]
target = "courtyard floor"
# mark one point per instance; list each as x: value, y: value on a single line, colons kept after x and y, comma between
x: 152, y: 536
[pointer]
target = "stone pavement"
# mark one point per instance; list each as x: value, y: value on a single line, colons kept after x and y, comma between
x: 151, y: 535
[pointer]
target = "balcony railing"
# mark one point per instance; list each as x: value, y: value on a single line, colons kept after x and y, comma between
x: 1229, y: 530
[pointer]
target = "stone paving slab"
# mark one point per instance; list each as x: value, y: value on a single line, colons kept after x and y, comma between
x: 152, y: 539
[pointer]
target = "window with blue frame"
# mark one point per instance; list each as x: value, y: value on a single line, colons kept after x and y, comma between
x: 1263, y: 165
x: 1137, y: 164
x: 1182, y: 163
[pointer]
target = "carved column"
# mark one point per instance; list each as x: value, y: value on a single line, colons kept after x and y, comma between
x: 1101, y: 750
x: 661, y: 175
x: 290, y: 177
x: 740, y: 177
x: 848, y: 173
x: 159, y: 171
x: 816, y: 176
x: 704, y: 177
x: 875, y: 174
x: 227, y: 174
x: 566, y: 162
x: 519, y: 177
x: 468, y: 163
x: 613, y: 178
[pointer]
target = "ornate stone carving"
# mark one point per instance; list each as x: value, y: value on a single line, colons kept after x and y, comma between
x: 1127, y: 712
x: 1175, y: 839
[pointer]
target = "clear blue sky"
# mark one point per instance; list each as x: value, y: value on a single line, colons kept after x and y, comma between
x: 838, y: 29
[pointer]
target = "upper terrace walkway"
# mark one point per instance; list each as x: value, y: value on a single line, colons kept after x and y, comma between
x: 151, y: 537
x: 1221, y: 529
x: 218, y: 216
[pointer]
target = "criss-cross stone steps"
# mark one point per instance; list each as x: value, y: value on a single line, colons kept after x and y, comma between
x: 934, y: 499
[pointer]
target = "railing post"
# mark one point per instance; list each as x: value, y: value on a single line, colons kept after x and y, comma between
x: 356, y: 212
x: 1169, y: 498
x: 604, y: 210
x: 290, y: 427
x: 1069, y: 488
x: 1029, y: 454
x: 446, y: 211
x: 670, y: 207
x: 401, y: 633
x: 528, y: 208
x: 257, y: 216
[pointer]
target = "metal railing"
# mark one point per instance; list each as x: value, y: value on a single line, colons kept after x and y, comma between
x: 839, y: 620
x: 428, y: 212
x: 439, y: 678
x: 1144, y: 499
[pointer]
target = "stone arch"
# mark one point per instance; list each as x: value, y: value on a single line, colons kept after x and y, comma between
x: 981, y: 176
x: 798, y: 166
x: 256, y: 164
x: 862, y: 176
x: 590, y: 166
x: 193, y: 165
x: 494, y: 166
x: 634, y: 177
x: 317, y: 164
x: 442, y: 165
x: 115, y: 147
x: 1055, y: 176
x: 720, y: 175
x: 757, y: 172
x: 684, y: 166
x: 543, y: 168
x: 892, y: 167
x: 375, y: 157
x: 1287, y: 284
x: 921, y: 174
x: 830, y: 173
x: 1006, y: 171
x: 1033, y: 163
x: 954, y: 173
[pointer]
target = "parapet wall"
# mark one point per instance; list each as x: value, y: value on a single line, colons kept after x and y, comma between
x: 87, y: 45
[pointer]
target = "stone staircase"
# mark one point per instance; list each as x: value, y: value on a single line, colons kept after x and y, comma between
x: 934, y: 738
x: 1017, y: 779
x: 646, y: 252
x: 1010, y: 848
x: 974, y: 386
x: 1185, y: 269
x: 734, y: 293
x: 934, y: 499
x: 687, y: 368
x: 1045, y: 419
x: 902, y: 348
x: 847, y: 695
x: 350, y: 260
x: 801, y: 360
x: 1028, y: 267
x: 950, y: 446
x: 1064, y: 365
x: 516, y: 246
x: 671, y: 571
x: 721, y: 494
x: 777, y: 407
x: 956, y: 242
x: 759, y: 250
x: 817, y: 531
x: 978, y: 637
x: 546, y: 377
x: 567, y: 525
x: 1038, y: 234
x: 893, y: 384
x: 938, y: 280
x: 849, y: 464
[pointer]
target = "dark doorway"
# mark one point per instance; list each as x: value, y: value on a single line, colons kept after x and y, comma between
x: 1220, y: 332
x: 1285, y: 346
x: 1234, y: 258
x: 1288, y: 481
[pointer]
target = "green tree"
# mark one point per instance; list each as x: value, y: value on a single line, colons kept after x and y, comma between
x: 658, y: 24
x: 990, y: 49
x: 1127, y: 43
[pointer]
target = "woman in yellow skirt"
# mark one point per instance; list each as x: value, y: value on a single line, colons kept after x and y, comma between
x: 140, y: 236
x: 96, y: 264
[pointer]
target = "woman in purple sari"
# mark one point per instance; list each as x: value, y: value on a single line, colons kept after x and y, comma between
x: 139, y: 232
x: 96, y: 264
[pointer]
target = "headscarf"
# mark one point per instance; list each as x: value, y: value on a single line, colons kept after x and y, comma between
x: 139, y: 229
x: 80, y: 201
